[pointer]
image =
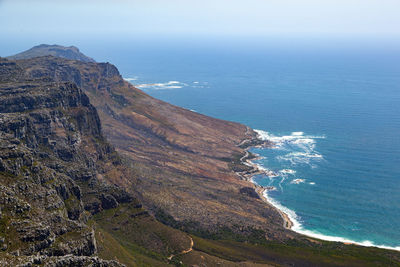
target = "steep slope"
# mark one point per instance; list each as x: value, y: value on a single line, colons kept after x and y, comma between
x: 180, y: 164
x: 70, y: 52
x: 184, y: 161
x: 43, y: 126
x: 57, y: 171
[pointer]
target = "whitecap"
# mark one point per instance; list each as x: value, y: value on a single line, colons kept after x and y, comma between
x: 297, y: 181
x: 366, y: 243
x: 287, y: 171
x: 300, y: 158
x: 297, y: 227
x: 301, y: 149
x: 298, y: 139
x: 131, y: 79
x: 162, y: 86
x: 172, y: 87
x: 290, y: 213
x: 265, y: 171
x: 307, y: 141
x: 297, y: 133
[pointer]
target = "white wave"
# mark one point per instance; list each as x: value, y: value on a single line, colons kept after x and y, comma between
x: 305, y: 155
x: 290, y: 213
x: 131, y: 79
x: 162, y: 86
x: 301, y: 158
x: 307, y: 141
x: 196, y: 82
x: 297, y: 181
x: 287, y: 171
x: 266, y: 171
x: 297, y: 133
x: 365, y: 243
x: 297, y: 227
x: 301, y: 149
x: 296, y: 139
x: 287, y: 138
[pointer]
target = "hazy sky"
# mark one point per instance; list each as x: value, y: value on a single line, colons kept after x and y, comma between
x: 349, y: 18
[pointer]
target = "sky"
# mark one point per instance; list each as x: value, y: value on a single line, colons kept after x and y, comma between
x: 58, y: 20
x: 213, y: 17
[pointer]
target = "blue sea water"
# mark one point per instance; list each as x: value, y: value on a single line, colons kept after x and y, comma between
x: 333, y: 113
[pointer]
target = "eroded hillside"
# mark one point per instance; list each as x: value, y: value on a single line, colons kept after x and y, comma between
x: 184, y: 161
x: 69, y: 198
x: 57, y: 171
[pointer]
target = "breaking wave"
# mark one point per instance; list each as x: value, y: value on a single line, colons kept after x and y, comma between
x: 131, y: 79
x: 299, y: 148
x: 165, y: 85
x: 162, y: 86
x: 297, y: 227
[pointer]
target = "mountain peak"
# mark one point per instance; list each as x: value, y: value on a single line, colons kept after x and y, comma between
x: 68, y: 52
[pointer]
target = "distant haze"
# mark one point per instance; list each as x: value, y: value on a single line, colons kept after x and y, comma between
x: 336, y: 18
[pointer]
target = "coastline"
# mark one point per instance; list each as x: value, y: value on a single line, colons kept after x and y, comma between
x: 288, y: 223
x: 256, y: 170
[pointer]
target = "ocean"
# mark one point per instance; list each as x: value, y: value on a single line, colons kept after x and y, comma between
x: 332, y: 112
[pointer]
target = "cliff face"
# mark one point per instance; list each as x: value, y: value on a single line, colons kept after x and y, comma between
x: 183, y: 161
x: 52, y: 158
x: 60, y: 203
x: 67, y: 198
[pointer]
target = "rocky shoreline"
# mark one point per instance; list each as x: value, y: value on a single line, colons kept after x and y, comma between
x: 255, y: 169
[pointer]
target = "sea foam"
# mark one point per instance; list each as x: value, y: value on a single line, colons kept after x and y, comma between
x: 297, y: 181
x: 287, y: 171
x: 131, y: 79
x: 300, y: 147
x: 298, y: 227
x: 162, y: 86
x: 301, y: 150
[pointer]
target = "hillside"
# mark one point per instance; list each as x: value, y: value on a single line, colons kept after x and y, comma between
x: 183, y: 161
x: 57, y: 171
x: 85, y: 150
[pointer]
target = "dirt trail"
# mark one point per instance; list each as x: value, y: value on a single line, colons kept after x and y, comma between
x: 184, y: 251
x: 245, y: 140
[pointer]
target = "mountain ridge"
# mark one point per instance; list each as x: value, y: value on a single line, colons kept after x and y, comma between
x: 71, y: 52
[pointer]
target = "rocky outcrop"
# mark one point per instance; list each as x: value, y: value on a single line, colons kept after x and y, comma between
x: 59, y: 261
x: 54, y: 171
x: 184, y: 163
x: 63, y: 188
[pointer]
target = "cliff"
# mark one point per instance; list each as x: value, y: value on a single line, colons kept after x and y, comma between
x: 184, y: 162
x: 57, y: 171
x: 82, y: 150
